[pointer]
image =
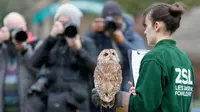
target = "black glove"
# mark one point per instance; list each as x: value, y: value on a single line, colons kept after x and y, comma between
x: 95, y: 98
x: 38, y: 87
x: 96, y: 101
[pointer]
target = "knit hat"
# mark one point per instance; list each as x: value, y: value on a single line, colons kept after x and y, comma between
x: 111, y: 8
x: 70, y: 11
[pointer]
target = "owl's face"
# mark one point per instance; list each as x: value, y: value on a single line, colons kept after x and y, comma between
x: 108, y: 56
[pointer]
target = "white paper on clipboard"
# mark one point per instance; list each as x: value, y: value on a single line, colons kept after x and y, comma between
x: 136, y: 57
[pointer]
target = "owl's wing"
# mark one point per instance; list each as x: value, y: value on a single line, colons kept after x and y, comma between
x: 116, y: 79
x: 98, y: 76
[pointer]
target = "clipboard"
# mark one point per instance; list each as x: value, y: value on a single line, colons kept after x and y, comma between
x: 135, y: 57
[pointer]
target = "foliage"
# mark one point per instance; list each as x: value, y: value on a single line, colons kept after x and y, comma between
x: 25, y: 7
x: 136, y: 6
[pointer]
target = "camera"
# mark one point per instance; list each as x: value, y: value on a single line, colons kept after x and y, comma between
x: 111, y: 24
x: 19, y: 35
x: 41, y: 83
x: 70, y: 30
x: 38, y: 87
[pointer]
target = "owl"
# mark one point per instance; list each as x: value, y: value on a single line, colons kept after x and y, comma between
x: 108, y: 77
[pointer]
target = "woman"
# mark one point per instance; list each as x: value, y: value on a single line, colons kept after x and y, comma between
x: 166, y: 77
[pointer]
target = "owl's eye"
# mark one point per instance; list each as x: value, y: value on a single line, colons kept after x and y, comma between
x: 106, y: 54
x: 113, y: 53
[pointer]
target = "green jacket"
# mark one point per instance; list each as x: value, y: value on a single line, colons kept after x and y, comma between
x: 165, y: 82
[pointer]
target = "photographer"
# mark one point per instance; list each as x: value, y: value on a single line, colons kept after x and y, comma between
x: 70, y: 62
x: 116, y: 31
x: 15, y: 73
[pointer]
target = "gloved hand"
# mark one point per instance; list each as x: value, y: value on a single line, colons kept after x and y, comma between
x: 96, y: 101
x: 95, y: 98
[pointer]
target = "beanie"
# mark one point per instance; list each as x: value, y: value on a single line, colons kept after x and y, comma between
x: 70, y: 11
x: 111, y: 8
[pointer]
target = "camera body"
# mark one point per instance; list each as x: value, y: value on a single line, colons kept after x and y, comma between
x: 18, y: 34
x: 42, y: 82
x: 110, y: 24
x: 70, y: 30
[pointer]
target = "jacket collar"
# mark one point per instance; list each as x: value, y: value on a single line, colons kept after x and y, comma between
x: 169, y: 42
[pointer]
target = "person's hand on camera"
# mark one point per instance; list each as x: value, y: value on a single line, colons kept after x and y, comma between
x: 4, y: 34
x: 98, y: 25
x: 74, y: 43
x: 117, y: 36
x: 21, y: 46
x: 57, y: 28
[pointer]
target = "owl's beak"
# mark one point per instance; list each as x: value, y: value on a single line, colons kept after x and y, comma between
x: 111, y: 59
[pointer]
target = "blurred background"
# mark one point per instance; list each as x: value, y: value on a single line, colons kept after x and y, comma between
x: 39, y: 17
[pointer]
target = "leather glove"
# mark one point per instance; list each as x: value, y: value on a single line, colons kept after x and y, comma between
x: 95, y: 98
x: 96, y: 101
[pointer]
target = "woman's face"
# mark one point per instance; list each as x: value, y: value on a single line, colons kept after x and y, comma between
x: 150, y: 31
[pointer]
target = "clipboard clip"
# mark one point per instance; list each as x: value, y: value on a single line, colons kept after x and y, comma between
x: 142, y: 51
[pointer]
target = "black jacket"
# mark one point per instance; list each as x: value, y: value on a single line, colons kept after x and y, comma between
x: 70, y: 71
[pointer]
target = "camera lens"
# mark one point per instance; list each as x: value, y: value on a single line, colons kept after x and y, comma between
x: 110, y: 24
x: 18, y: 35
x: 70, y: 31
x: 21, y: 36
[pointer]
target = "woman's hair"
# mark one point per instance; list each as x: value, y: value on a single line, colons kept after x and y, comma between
x: 170, y: 14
